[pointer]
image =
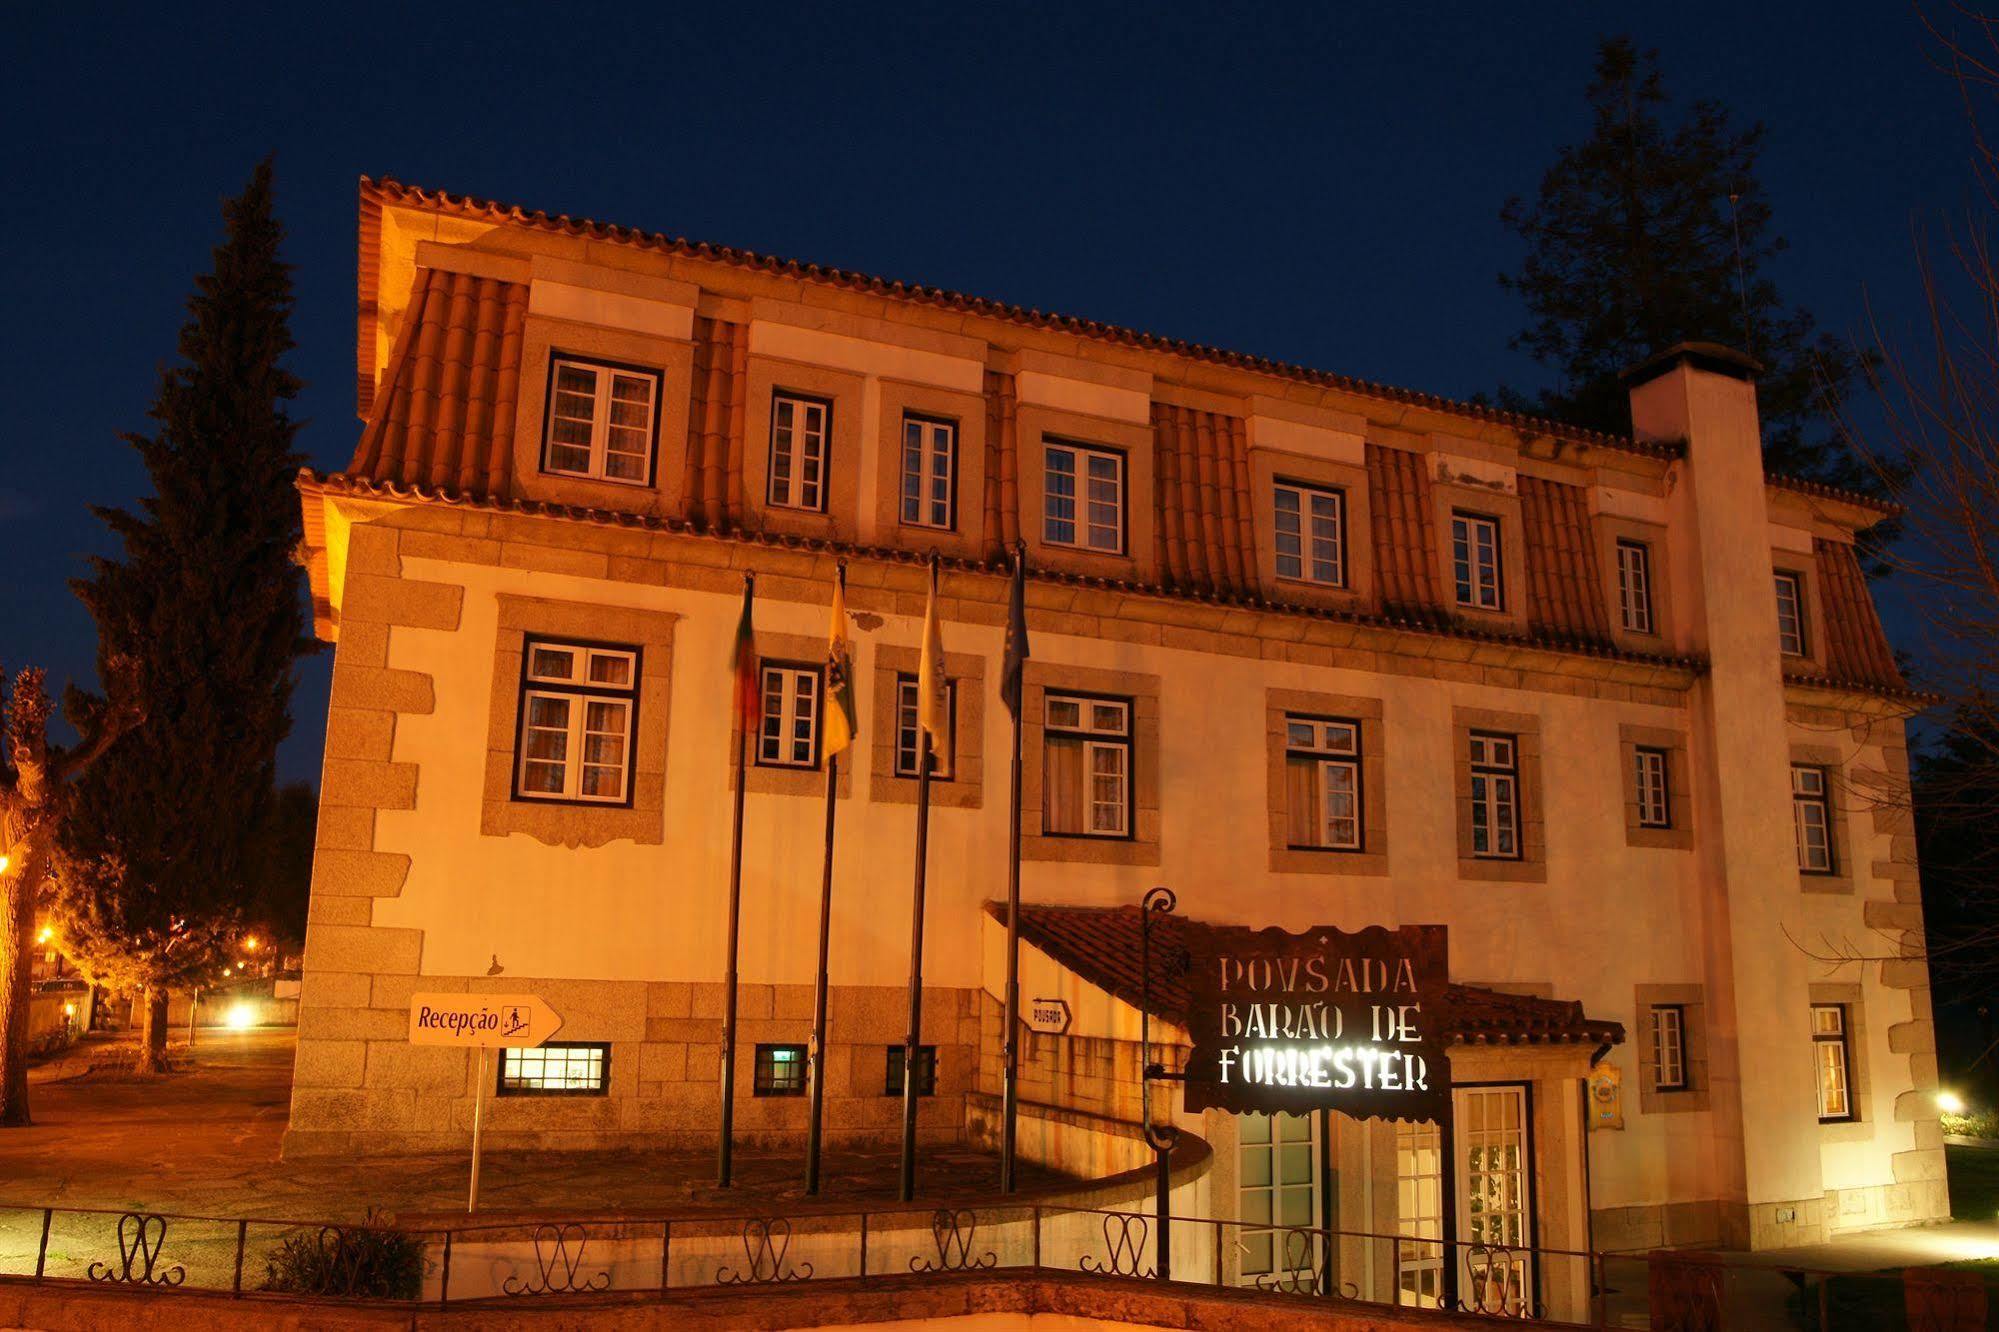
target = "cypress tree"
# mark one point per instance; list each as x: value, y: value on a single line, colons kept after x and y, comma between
x: 206, y: 598
x: 1631, y: 246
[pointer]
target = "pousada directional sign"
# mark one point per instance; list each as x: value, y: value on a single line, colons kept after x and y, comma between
x: 481, y: 1021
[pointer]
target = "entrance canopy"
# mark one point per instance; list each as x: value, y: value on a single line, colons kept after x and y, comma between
x: 1100, y: 945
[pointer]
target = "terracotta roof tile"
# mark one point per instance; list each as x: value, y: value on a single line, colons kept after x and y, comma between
x: 715, y: 425
x: 445, y: 413
x: 1398, y: 490
x: 1857, y: 650
x: 376, y: 192
x: 1564, y: 588
x: 1205, y: 528
x: 1101, y: 945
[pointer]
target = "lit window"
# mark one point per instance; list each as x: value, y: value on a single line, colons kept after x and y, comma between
x: 1475, y: 561
x: 1322, y: 783
x: 929, y: 471
x: 1310, y: 532
x: 1811, y: 818
x: 1791, y: 614
x: 1086, y: 778
x: 1833, y: 1055
x: 1495, y: 797
x: 926, y: 1070
x: 1634, y: 586
x: 780, y: 1070
x: 908, y: 744
x: 600, y: 421
x: 789, y: 736
x: 1092, y: 519
x: 1669, y: 1047
x: 1278, y: 1199
x: 1655, y: 808
x: 798, y: 433
x: 576, y: 711
x: 559, y: 1068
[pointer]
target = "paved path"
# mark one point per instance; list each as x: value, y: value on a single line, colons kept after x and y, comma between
x: 204, y: 1141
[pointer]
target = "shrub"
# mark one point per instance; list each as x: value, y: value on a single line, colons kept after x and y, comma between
x: 366, y: 1262
x: 1978, y: 1124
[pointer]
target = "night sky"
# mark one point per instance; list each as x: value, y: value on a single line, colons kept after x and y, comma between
x: 1322, y: 186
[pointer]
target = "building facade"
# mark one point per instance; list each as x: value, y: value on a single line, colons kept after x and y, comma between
x: 1618, y: 712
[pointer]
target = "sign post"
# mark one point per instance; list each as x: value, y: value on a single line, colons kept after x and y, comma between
x: 482, y: 1022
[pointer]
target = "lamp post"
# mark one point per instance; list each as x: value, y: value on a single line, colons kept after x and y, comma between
x: 1162, y: 1136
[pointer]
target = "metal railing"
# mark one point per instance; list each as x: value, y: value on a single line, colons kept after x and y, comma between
x: 524, y: 1260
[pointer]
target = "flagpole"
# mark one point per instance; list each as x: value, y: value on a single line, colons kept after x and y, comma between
x: 814, y: 1119
x: 932, y: 717
x: 1010, y: 1075
x: 914, y: 1039
x: 723, y: 1161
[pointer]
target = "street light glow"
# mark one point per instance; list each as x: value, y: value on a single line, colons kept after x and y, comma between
x: 1950, y: 1103
x: 48, y: 933
x: 240, y: 1017
x: 250, y: 944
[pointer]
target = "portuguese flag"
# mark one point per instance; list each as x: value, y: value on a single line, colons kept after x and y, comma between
x: 749, y: 692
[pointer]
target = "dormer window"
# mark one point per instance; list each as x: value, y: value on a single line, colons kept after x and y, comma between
x: 601, y: 421
x: 1475, y: 561
x: 1083, y: 498
x: 1790, y: 614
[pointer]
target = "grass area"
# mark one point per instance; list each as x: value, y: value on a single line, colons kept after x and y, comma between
x: 1974, y: 1182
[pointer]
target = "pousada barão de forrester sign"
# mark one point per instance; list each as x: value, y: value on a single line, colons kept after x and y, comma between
x: 1322, y: 1019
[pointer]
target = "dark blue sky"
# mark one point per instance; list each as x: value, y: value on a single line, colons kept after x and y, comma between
x: 1322, y: 186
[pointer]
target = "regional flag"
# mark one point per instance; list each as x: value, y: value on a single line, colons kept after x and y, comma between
x: 1013, y: 662
x: 839, y: 723
x: 933, y: 710
x: 749, y: 692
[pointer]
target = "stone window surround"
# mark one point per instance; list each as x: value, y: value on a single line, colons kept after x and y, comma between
x: 791, y: 650
x: 1372, y: 858
x: 1452, y: 497
x: 1860, y: 1128
x: 1679, y: 788
x: 1839, y: 836
x: 1610, y: 529
x: 542, y: 339
x: 579, y: 824
x: 966, y: 787
x: 1142, y: 847
x: 1525, y: 728
x: 899, y: 399
x: 1266, y: 468
x: 1036, y: 426
x: 1804, y: 567
x: 839, y: 515
x: 1692, y: 1001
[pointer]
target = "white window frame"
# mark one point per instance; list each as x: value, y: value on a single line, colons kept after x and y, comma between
x: 1316, y: 539
x: 1669, y: 1047
x: 575, y: 689
x: 1811, y: 818
x: 583, y: 1068
x: 1650, y: 766
x: 1792, y: 640
x: 1278, y: 1250
x: 908, y: 745
x: 606, y: 377
x: 1079, y: 510
x: 1832, y: 1063
x: 1419, y: 1215
x: 1477, y: 560
x: 1103, y: 729
x: 1495, y: 793
x: 1332, y: 746
x: 929, y: 493
x: 806, y: 446
x: 791, y: 694
x: 1634, y: 585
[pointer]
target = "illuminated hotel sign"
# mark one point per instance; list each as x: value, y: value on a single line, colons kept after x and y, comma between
x: 1318, y: 1020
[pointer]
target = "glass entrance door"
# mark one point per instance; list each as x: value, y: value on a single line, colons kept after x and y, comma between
x: 1419, y: 1214
x: 1495, y: 1200
x: 1277, y: 1199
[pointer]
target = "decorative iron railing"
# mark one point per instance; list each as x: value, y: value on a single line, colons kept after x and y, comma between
x: 553, y: 1260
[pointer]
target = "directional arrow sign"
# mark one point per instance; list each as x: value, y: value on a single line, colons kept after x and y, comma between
x: 1049, y: 1017
x: 483, y: 1021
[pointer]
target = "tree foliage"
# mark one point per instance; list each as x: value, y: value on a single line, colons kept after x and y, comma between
x: 1631, y: 247
x: 161, y: 858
